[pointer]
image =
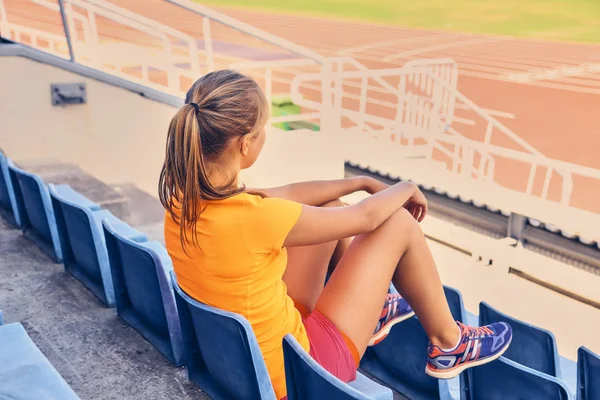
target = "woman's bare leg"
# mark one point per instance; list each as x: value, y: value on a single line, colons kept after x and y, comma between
x: 356, y: 291
x: 307, y: 268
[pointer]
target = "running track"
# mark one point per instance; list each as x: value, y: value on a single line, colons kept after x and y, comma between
x: 546, y: 92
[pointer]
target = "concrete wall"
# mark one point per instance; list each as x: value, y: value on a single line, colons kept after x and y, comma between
x: 119, y: 136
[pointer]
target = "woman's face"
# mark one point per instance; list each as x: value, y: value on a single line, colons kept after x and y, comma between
x: 253, y: 146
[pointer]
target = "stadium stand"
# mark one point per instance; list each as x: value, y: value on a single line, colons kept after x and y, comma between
x: 205, y: 330
x: 100, y: 355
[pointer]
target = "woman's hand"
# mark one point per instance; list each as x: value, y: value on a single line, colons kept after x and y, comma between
x: 372, y: 185
x: 417, y: 205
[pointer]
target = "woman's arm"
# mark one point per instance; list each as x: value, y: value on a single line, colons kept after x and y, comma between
x: 317, y: 193
x: 323, y: 224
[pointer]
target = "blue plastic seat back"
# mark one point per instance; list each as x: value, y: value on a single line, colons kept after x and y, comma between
x: 223, y: 356
x: 505, y: 379
x: 306, y: 379
x: 403, y: 355
x: 82, y: 241
x: 8, y: 200
x: 456, y: 304
x: 143, y: 291
x: 5, y: 193
x: 531, y: 346
x: 588, y: 375
x: 35, y: 200
x: 137, y: 282
x: 19, y: 211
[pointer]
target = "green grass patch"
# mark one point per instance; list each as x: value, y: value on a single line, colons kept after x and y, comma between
x: 571, y: 20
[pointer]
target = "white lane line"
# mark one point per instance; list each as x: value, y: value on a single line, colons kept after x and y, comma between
x: 553, y: 73
x: 385, y: 43
x: 426, y: 49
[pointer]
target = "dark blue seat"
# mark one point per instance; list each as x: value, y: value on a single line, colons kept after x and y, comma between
x: 222, y: 354
x: 531, y: 346
x: 25, y: 374
x: 9, y: 208
x: 399, y: 361
x: 588, y: 375
x: 143, y: 291
x: 505, y: 379
x: 39, y: 224
x: 79, y: 225
x: 306, y: 379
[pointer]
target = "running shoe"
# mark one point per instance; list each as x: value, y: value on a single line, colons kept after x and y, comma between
x: 477, y: 346
x: 395, y: 310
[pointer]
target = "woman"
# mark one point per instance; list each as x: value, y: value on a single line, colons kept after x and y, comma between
x: 265, y: 254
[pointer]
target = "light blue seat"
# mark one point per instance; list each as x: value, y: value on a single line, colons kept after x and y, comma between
x: 222, y: 354
x: 8, y: 199
x: 143, y: 292
x: 1, y: 318
x: 399, y: 361
x: 79, y: 225
x: 39, y: 224
x: 306, y: 379
x: 25, y: 374
x: 588, y: 375
x: 531, y: 346
x: 505, y: 379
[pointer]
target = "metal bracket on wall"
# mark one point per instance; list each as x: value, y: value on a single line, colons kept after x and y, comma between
x: 64, y: 94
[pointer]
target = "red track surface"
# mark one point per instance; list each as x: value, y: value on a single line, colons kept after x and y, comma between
x: 559, y: 116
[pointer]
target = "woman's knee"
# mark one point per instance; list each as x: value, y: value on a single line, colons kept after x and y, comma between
x: 405, y: 225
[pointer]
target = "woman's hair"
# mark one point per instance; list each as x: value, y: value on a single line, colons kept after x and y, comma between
x: 221, y: 107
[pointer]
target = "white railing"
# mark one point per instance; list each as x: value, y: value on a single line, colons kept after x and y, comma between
x: 50, y: 43
x: 425, y: 97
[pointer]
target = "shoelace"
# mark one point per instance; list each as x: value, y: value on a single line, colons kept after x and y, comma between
x: 392, y: 297
x: 477, y: 333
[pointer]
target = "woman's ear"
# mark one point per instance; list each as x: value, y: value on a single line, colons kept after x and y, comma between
x: 245, y: 145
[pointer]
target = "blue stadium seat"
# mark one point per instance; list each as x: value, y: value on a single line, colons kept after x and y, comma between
x: 82, y: 240
x: 8, y: 200
x: 39, y: 224
x: 399, y: 361
x: 531, y: 346
x: 222, y: 354
x: 588, y: 375
x: 505, y: 379
x: 1, y: 318
x: 25, y: 374
x: 306, y: 379
x: 143, y: 292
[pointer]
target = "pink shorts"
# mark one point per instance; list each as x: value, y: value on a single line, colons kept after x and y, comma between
x: 333, y: 350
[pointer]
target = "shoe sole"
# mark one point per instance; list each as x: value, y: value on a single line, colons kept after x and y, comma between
x: 449, y: 374
x: 382, y: 334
